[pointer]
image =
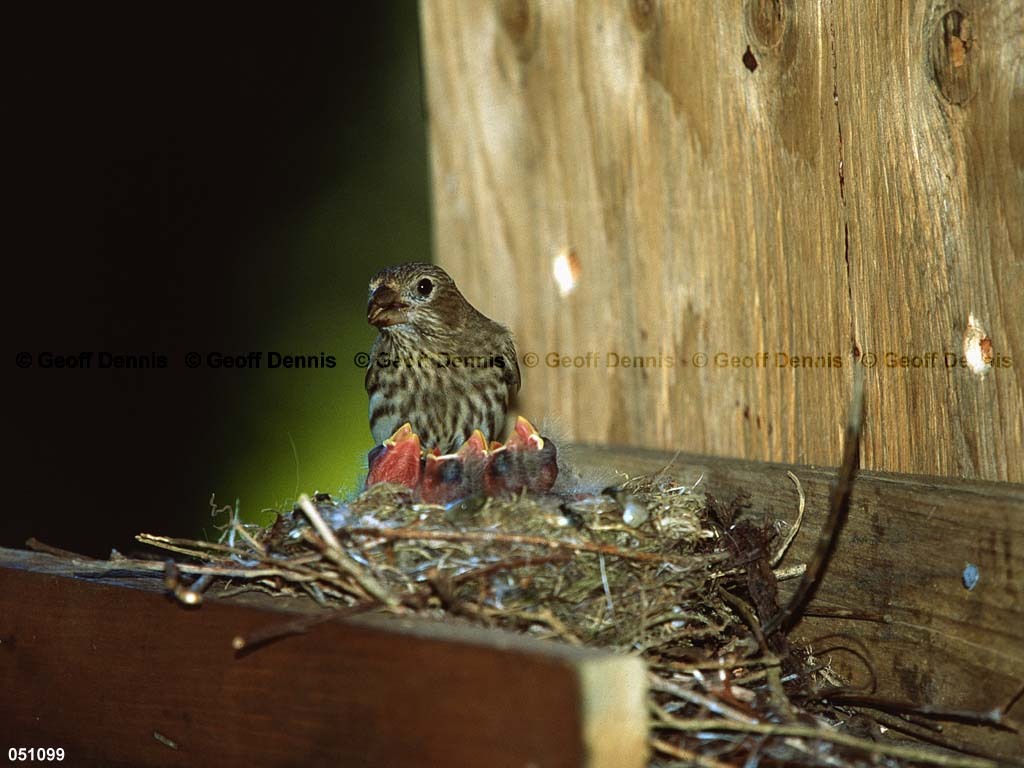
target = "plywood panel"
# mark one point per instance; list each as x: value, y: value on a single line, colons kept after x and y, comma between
x: 741, y: 184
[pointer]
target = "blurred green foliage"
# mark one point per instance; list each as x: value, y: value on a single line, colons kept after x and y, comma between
x: 295, y: 431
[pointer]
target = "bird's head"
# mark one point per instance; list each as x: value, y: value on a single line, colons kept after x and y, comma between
x: 419, y: 295
x: 455, y: 475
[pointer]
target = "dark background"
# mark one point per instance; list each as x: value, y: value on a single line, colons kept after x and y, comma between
x: 216, y: 182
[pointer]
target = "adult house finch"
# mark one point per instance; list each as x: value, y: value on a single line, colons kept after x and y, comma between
x: 437, y: 364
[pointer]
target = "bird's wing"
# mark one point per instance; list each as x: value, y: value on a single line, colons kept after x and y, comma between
x: 512, y: 377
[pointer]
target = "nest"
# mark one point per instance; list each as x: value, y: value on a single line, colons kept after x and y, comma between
x: 649, y: 567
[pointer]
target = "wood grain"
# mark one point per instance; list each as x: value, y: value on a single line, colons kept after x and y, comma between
x: 114, y: 674
x: 773, y: 177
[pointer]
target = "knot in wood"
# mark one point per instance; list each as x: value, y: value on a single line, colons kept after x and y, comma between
x: 519, y: 20
x: 766, y: 22
x: 642, y: 14
x: 952, y: 52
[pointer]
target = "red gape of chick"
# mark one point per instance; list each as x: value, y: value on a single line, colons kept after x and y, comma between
x: 526, y: 461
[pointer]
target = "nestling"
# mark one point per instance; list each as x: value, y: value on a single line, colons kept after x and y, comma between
x: 438, y: 364
x: 525, y: 462
x: 457, y: 475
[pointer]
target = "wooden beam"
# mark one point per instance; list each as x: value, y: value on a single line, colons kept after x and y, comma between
x: 752, y: 191
x: 120, y: 676
x: 102, y: 667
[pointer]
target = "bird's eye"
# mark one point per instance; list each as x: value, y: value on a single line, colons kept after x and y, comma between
x: 424, y: 287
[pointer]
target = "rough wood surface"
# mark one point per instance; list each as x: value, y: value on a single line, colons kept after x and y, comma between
x: 113, y: 674
x: 768, y: 177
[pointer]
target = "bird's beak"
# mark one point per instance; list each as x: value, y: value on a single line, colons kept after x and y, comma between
x: 525, y: 435
x: 386, y: 307
x: 397, y: 459
x: 474, y: 448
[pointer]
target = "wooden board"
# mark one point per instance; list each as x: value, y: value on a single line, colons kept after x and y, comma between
x: 99, y: 667
x: 741, y: 184
x: 125, y: 677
